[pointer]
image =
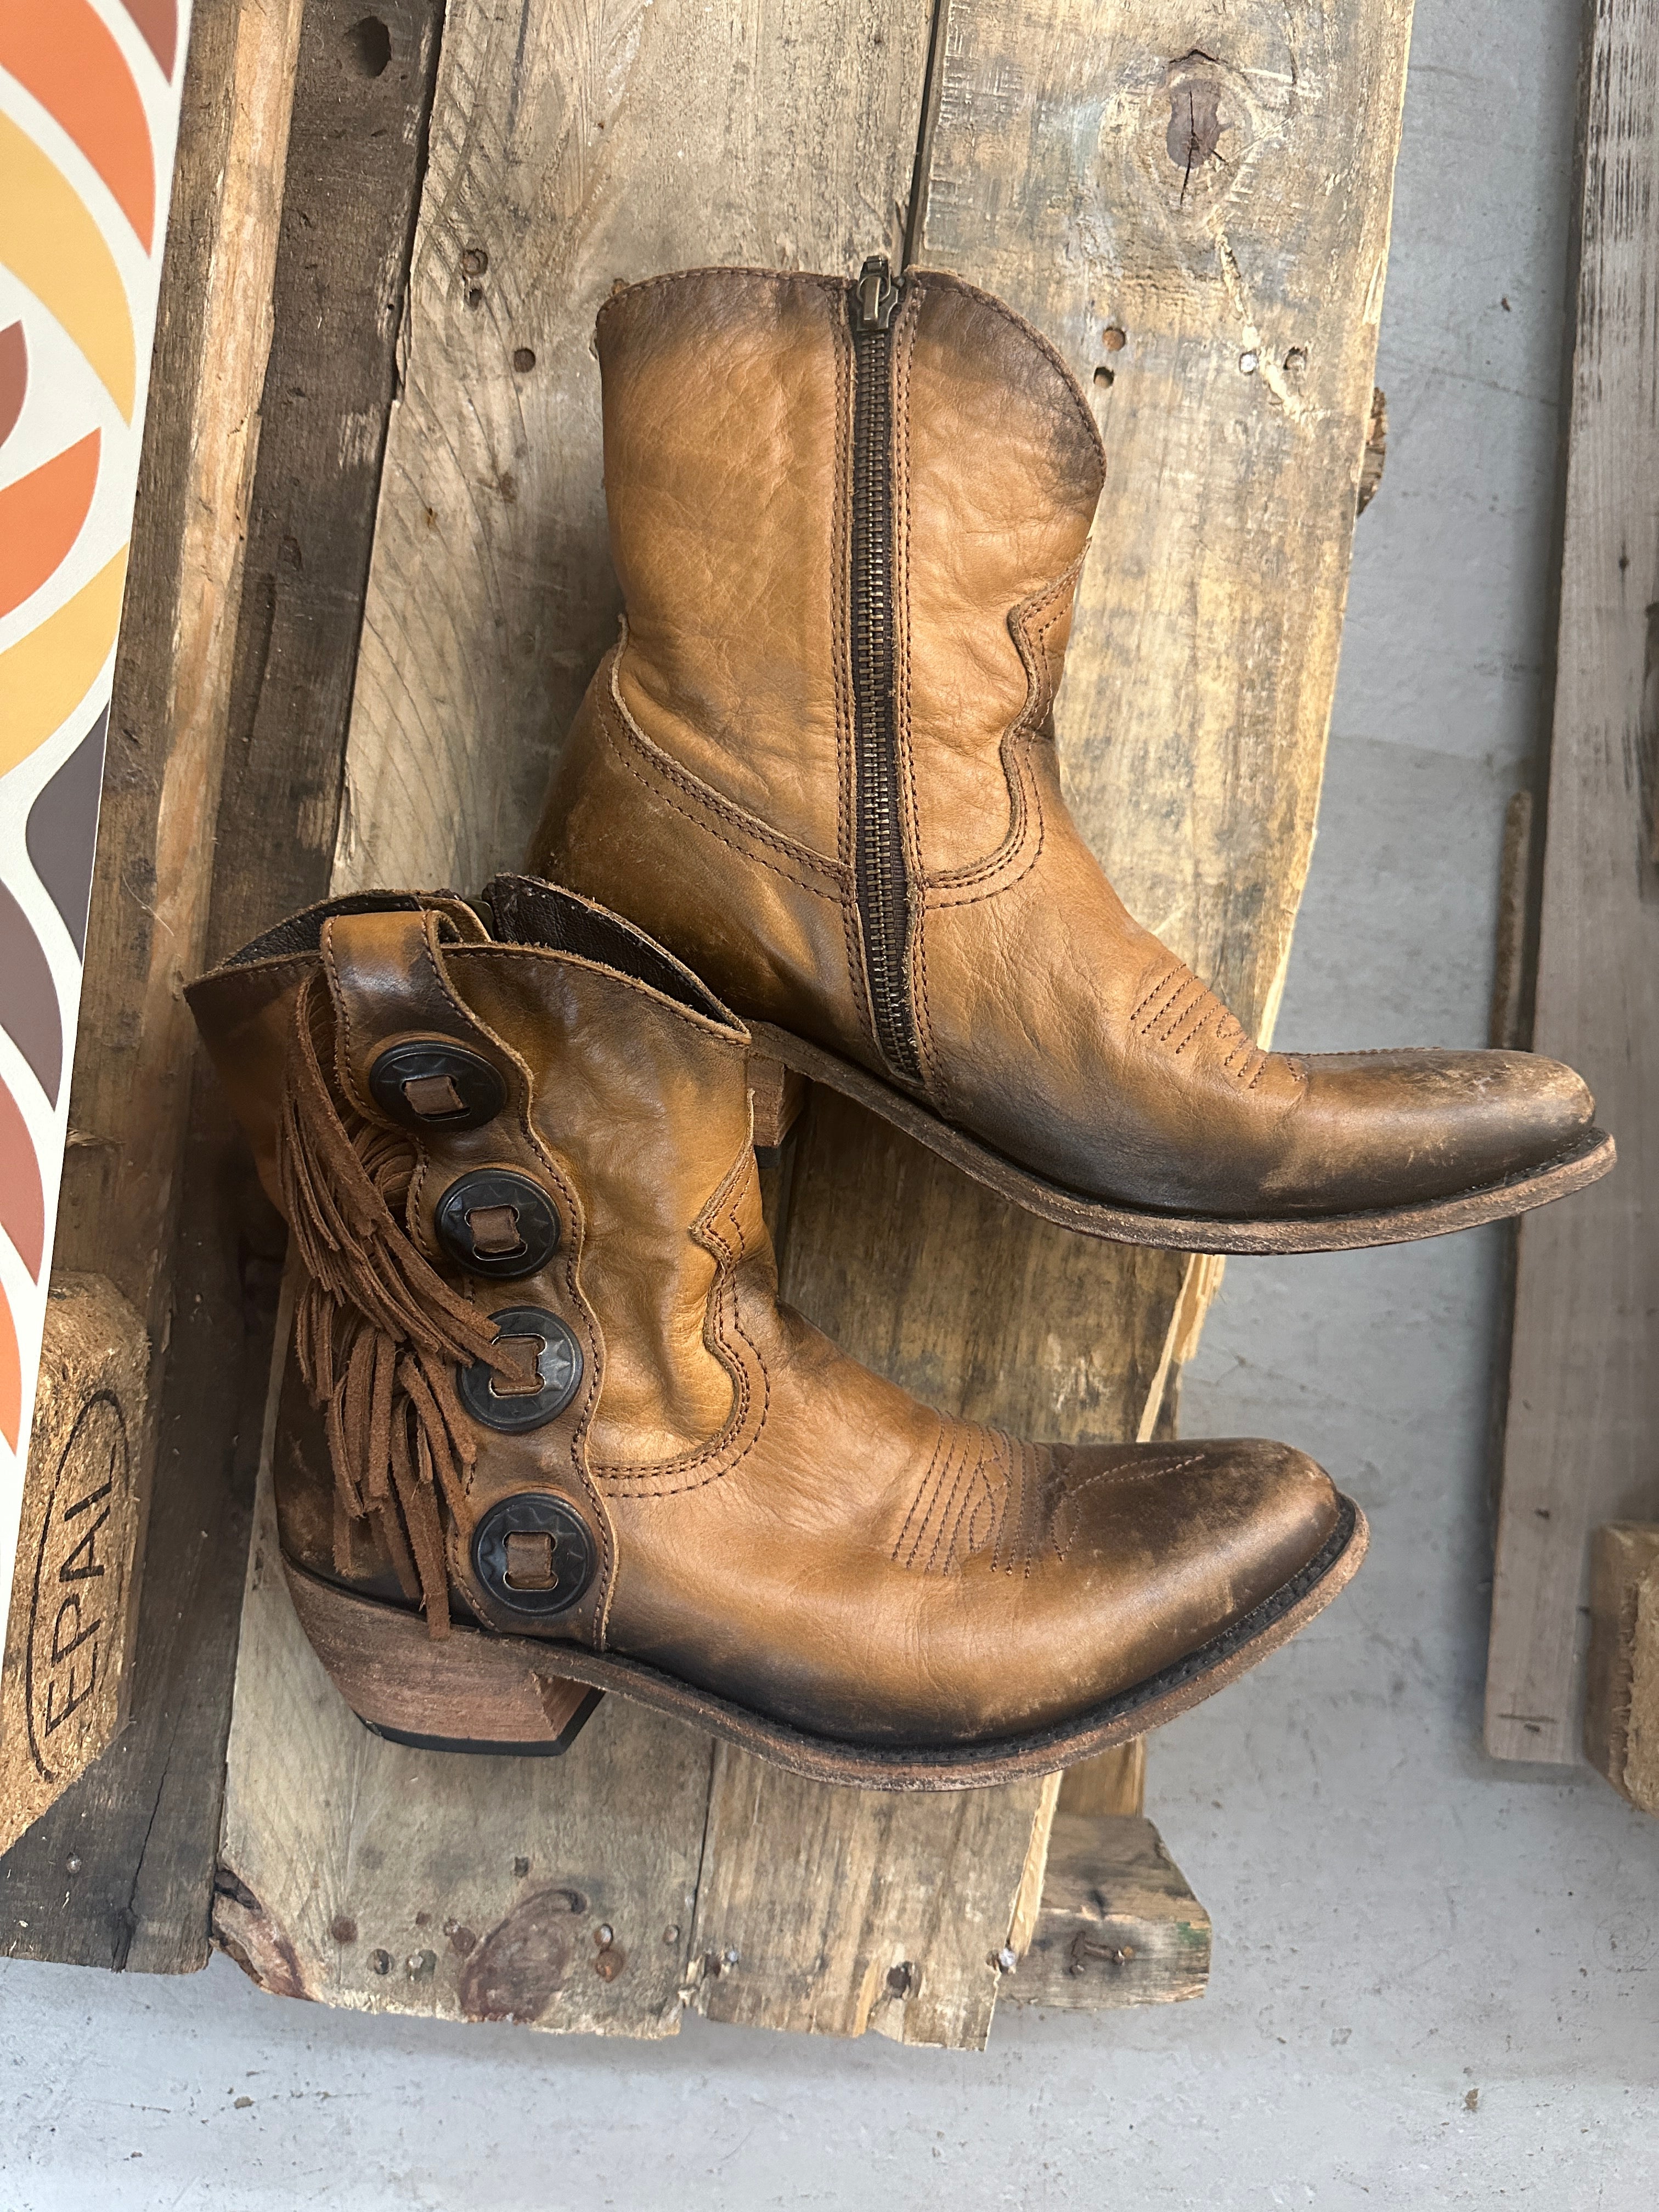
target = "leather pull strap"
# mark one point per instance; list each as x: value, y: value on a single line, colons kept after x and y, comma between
x: 409, y: 1050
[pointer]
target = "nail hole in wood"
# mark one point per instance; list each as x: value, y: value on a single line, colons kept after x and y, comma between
x: 369, y: 44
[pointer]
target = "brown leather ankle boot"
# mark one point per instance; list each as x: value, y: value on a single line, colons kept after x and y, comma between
x: 551, y: 1400
x: 849, y: 519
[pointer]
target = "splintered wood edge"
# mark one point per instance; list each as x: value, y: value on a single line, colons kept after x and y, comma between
x: 1118, y: 1925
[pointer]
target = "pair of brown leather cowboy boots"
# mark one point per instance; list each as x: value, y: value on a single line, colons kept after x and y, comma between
x: 542, y: 1390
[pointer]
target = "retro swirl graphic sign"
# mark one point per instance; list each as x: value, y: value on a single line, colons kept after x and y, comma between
x: 89, y: 119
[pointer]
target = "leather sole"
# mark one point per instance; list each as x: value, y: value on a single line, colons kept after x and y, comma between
x: 512, y: 1695
x: 1586, y: 1161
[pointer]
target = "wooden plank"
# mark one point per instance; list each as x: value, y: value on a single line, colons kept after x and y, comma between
x: 69, y: 1633
x: 1203, y: 661
x: 136, y: 1830
x: 1621, y: 1706
x: 1578, y: 1447
x: 656, y: 137
x: 830, y: 1912
x: 1119, y: 1926
x: 355, y: 162
x: 147, y: 1831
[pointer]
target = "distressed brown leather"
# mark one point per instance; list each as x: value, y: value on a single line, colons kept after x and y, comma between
x: 773, y: 1522
x: 708, y: 788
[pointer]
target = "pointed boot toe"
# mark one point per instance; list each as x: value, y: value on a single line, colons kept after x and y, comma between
x: 1409, y: 1128
x: 1221, y: 1541
x: 820, y: 766
x: 548, y: 1431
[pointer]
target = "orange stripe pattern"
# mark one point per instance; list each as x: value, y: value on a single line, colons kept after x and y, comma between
x: 83, y: 104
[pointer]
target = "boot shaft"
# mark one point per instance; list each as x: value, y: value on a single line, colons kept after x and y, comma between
x: 575, y: 1058
x: 847, y: 517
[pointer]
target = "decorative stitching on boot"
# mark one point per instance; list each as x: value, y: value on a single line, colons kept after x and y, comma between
x: 706, y: 801
x: 982, y: 1493
x: 1030, y: 625
x: 723, y: 1330
x: 1178, y: 1010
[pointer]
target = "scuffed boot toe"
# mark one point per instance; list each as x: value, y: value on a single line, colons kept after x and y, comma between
x: 1205, y: 1534
x: 1398, y: 1128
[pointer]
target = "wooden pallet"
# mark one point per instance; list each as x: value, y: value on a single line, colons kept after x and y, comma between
x: 1193, y: 202
x: 1579, y: 1447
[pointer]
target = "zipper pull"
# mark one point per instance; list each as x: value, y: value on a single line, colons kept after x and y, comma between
x: 876, y: 294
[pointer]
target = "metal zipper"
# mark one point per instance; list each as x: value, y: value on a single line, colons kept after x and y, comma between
x: 881, y: 879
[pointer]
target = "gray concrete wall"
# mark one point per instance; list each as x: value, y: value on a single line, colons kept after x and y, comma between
x: 1437, y: 1979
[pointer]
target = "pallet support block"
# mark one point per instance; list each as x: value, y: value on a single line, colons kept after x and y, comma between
x: 1119, y: 1926
x: 69, y: 1636
x: 1621, y: 1708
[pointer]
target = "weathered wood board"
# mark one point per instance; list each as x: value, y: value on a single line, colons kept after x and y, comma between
x: 654, y: 137
x: 1119, y: 1926
x: 1115, y: 1782
x: 143, y: 1827
x: 68, y: 1634
x: 1579, y: 1444
x: 1621, y: 1705
x: 572, y: 146
x: 1193, y: 202
x: 835, y: 1911
x: 116, y: 1872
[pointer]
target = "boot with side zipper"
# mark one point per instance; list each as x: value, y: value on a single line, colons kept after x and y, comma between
x: 544, y: 1392
x: 848, y: 520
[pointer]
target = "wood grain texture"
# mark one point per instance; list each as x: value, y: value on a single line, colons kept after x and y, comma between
x: 1119, y: 1926
x: 776, y: 134
x: 144, y: 1824
x: 154, y: 878
x: 1066, y: 169
x: 575, y: 145
x: 832, y: 1912
x: 69, y: 1633
x: 355, y: 158
x: 1621, y: 1704
x: 145, y: 1201
x: 1578, y: 1446
x: 1115, y: 1782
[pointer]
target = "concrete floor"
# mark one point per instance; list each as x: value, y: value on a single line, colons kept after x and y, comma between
x: 1437, y: 1979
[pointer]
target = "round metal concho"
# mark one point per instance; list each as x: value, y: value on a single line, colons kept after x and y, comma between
x: 547, y: 1578
x: 485, y: 1191
x: 559, y: 1363
x: 436, y: 1085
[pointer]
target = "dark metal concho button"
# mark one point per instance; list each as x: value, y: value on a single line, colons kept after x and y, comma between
x: 537, y: 1371
x: 494, y: 1222
x: 533, y: 1554
x: 436, y: 1085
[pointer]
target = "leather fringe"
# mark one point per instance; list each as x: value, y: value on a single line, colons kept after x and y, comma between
x: 378, y: 1331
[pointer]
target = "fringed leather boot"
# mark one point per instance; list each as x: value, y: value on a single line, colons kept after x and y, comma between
x: 848, y: 520
x: 543, y: 1393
